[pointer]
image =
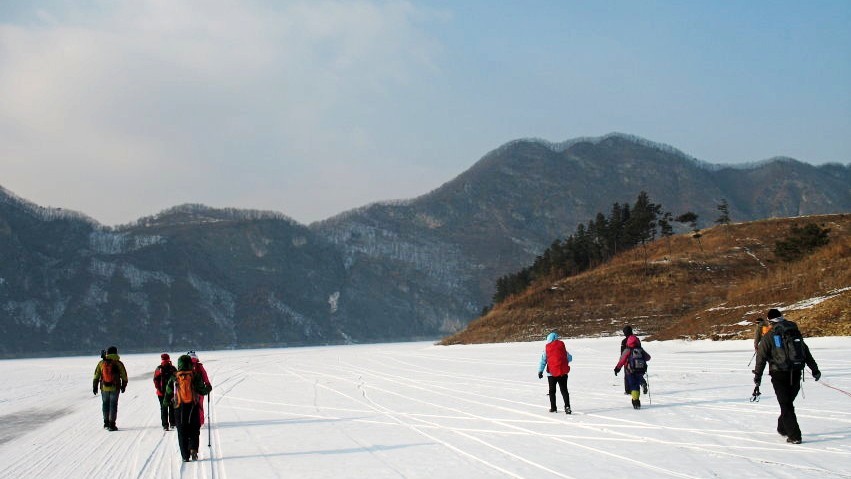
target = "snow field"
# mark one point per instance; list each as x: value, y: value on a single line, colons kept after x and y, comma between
x: 416, y: 410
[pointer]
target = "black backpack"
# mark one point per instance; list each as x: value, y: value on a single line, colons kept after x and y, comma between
x: 166, y: 372
x: 787, y: 347
x: 636, y: 362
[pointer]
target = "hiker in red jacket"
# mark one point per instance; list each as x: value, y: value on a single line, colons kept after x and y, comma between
x: 634, y: 358
x: 198, y: 367
x: 162, y: 374
x: 555, y: 360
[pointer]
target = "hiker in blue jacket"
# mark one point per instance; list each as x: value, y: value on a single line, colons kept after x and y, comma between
x: 556, y: 361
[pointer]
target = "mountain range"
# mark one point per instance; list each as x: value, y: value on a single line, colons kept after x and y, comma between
x: 198, y: 277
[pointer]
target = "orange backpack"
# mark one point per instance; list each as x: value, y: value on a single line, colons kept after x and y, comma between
x: 107, y: 372
x: 183, y: 391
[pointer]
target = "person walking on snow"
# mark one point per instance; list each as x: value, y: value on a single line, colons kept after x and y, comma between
x: 555, y: 360
x: 634, y: 358
x: 185, y: 390
x: 111, y: 376
x: 162, y: 375
x: 785, y: 352
x: 627, y: 332
x: 198, y: 367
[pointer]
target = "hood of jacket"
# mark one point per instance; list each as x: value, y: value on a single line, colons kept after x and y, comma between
x: 632, y: 341
x: 184, y: 363
x: 551, y: 337
x: 113, y: 356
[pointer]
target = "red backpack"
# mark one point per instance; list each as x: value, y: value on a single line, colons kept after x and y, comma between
x: 108, y: 373
x: 557, y: 358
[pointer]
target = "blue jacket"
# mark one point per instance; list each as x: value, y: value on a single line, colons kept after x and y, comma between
x: 542, y: 364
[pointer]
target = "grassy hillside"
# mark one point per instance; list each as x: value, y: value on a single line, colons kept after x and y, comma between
x: 713, y: 289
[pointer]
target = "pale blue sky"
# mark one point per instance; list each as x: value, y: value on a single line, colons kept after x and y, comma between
x: 120, y: 109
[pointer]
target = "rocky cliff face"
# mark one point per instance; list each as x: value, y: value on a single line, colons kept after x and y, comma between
x: 199, y: 277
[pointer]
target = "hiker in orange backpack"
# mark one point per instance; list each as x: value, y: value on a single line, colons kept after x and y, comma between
x: 555, y: 360
x: 185, y: 390
x: 111, y: 376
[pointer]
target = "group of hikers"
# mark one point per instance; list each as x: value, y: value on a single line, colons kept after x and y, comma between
x: 180, y: 390
x: 180, y: 395
x: 778, y: 343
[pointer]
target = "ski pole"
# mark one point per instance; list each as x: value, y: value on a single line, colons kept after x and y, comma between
x: 209, y: 430
x: 834, y: 388
x: 749, y: 362
x: 647, y: 381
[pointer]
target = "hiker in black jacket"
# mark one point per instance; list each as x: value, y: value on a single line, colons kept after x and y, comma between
x: 781, y: 348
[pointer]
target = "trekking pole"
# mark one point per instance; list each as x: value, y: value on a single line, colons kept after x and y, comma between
x: 209, y: 430
x: 647, y: 381
x: 835, y: 388
x: 749, y: 362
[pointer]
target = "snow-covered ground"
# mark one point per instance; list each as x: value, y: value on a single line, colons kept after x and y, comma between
x: 415, y: 410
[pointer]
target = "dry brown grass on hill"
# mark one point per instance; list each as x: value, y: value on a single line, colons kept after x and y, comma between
x: 687, y: 292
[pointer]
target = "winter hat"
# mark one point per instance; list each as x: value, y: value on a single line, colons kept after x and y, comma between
x: 112, y: 350
x: 632, y: 342
x: 165, y: 357
x: 627, y: 330
x: 192, y: 355
x: 774, y: 315
x: 552, y: 337
x: 184, y: 363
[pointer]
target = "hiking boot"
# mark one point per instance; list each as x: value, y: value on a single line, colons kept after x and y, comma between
x: 644, y: 388
x: 552, y: 409
x: 165, y: 428
x: 782, y: 433
x: 106, y: 424
x: 793, y: 440
x: 567, y: 410
x: 636, y: 404
x: 112, y: 427
x: 194, y: 454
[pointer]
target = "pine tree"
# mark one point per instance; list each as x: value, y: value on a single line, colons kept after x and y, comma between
x: 724, y: 217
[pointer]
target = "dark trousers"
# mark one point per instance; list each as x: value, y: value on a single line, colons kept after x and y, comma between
x: 188, y: 428
x: 166, y: 413
x: 109, y: 406
x: 786, y: 386
x: 626, y: 387
x: 562, y: 385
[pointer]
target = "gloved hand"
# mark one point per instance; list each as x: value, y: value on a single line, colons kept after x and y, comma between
x: 617, y: 370
x: 756, y: 394
x: 95, y: 389
x: 123, y: 388
x: 540, y: 375
x: 757, y: 380
x: 816, y: 374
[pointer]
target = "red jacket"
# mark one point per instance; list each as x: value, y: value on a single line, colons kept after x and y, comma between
x: 169, y: 369
x: 557, y: 358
